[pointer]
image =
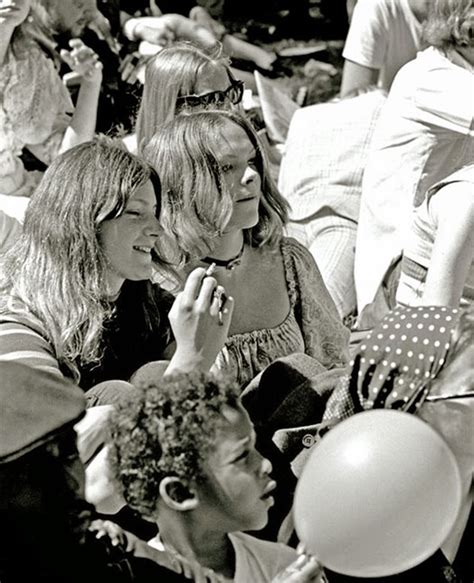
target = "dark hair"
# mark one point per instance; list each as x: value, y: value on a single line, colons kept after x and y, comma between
x: 166, y: 428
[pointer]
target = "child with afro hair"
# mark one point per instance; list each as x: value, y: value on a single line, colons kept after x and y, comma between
x: 182, y: 450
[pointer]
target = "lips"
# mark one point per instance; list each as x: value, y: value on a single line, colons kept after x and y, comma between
x: 143, y: 248
x: 247, y: 199
x: 271, y: 485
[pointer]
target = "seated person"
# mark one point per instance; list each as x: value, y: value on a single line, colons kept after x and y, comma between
x: 45, y: 523
x: 383, y: 36
x: 322, y: 183
x: 77, y: 297
x: 438, y: 257
x: 77, y: 294
x: 182, y: 77
x: 421, y: 360
x: 183, y: 454
x: 36, y: 111
x: 424, y: 133
x: 220, y: 207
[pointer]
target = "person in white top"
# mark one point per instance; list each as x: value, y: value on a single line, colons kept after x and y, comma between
x: 438, y: 256
x: 383, y: 36
x: 425, y: 132
x: 182, y: 450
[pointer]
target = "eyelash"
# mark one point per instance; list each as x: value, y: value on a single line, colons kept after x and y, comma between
x: 243, y: 456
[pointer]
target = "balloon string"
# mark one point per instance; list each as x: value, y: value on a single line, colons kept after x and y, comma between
x: 434, y: 398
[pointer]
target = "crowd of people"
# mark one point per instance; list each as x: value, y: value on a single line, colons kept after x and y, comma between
x: 178, y: 330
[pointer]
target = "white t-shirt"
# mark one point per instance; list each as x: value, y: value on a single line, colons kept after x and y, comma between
x: 384, y: 34
x: 256, y: 560
x: 424, y: 133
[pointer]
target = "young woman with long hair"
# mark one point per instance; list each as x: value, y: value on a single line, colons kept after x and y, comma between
x: 77, y: 296
x: 220, y: 206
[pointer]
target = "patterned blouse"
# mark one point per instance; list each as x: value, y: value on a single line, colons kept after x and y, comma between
x: 34, y: 112
x: 312, y: 325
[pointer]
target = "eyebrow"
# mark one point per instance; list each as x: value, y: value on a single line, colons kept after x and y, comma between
x: 251, y: 153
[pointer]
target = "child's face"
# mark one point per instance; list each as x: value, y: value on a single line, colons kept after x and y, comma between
x: 236, y: 493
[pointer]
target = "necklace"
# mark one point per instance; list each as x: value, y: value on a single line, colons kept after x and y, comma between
x: 230, y: 264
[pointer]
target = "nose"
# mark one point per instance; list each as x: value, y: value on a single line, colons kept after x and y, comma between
x: 152, y: 227
x: 265, y: 466
x: 249, y: 175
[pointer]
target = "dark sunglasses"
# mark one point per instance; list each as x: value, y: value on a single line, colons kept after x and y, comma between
x: 233, y: 93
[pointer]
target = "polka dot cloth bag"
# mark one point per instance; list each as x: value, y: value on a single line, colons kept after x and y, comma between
x: 396, y: 362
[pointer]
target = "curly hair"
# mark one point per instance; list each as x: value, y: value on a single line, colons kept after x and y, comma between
x: 166, y: 428
x: 56, y: 271
x: 450, y: 23
x: 196, y: 202
x: 173, y: 72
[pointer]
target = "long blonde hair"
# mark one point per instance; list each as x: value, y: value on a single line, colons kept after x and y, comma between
x: 173, y: 72
x: 196, y: 202
x: 56, y: 271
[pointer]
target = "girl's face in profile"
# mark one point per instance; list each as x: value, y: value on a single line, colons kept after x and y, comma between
x: 128, y: 239
x: 237, y: 158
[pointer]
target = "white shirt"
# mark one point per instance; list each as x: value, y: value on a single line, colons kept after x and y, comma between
x: 384, y: 34
x: 256, y: 560
x: 425, y: 132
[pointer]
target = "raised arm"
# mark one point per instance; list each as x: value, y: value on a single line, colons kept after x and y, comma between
x: 200, y: 319
x: 83, y: 61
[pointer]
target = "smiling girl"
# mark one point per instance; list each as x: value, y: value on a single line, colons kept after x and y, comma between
x: 76, y: 292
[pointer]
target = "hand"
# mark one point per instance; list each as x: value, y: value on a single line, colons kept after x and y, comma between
x: 200, y: 322
x: 83, y: 61
x: 154, y: 30
x: 305, y: 569
x: 107, y: 528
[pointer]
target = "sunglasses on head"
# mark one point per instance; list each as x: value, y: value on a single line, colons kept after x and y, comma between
x: 233, y: 94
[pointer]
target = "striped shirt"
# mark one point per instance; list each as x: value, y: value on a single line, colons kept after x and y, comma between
x: 21, y: 341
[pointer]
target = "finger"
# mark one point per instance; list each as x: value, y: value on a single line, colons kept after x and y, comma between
x: 310, y: 569
x: 206, y: 294
x: 192, y: 286
x: 227, y: 311
x: 75, y: 43
x: 66, y: 57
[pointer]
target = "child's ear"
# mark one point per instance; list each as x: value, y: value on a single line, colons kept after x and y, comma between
x: 176, y: 495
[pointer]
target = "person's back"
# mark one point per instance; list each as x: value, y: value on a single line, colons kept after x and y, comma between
x: 383, y: 36
x: 438, y: 254
x: 323, y: 184
x: 424, y: 133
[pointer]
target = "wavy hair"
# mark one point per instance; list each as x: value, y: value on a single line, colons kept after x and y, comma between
x: 56, y: 271
x: 166, y: 428
x: 450, y: 23
x: 172, y: 73
x: 196, y: 202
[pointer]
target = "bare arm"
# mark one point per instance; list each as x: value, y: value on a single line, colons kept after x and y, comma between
x: 84, y: 62
x: 453, y: 250
x: 355, y: 77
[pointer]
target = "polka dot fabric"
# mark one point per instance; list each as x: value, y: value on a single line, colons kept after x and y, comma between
x: 396, y: 362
